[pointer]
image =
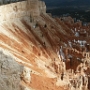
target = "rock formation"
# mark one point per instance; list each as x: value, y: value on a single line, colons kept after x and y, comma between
x: 39, y: 52
x: 10, y: 72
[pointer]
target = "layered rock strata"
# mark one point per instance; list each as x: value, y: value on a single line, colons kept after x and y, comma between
x: 45, y: 53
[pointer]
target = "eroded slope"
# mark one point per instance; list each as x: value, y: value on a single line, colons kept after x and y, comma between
x: 53, y: 51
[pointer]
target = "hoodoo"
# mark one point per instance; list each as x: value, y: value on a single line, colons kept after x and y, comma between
x: 38, y: 52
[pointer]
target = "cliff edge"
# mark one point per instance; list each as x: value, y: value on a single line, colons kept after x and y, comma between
x: 39, y: 52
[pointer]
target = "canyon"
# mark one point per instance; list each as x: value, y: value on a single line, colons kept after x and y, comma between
x: 39, y: 52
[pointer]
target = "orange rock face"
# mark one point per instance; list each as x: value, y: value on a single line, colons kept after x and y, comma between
x: 54, y: 52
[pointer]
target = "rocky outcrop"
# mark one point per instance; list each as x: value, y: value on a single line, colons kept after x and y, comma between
x: 10, y: 72
x: 22, y: 9
x: 45, y: 53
